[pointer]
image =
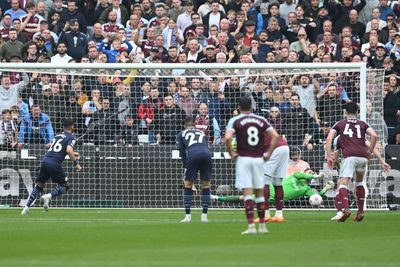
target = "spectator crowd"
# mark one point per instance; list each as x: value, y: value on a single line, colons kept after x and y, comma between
x: 154, y: 103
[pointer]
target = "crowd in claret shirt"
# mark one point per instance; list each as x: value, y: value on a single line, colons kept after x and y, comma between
x: 148, y: 102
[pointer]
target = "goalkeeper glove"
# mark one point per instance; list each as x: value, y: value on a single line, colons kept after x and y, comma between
x: 321, y: 175
x: 329, y: 186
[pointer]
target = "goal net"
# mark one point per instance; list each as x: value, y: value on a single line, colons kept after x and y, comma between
x: 127, y: 117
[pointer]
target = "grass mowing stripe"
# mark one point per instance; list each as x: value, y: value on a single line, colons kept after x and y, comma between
x: 89, y: 238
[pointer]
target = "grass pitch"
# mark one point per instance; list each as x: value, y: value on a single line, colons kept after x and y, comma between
x: 102, y: 238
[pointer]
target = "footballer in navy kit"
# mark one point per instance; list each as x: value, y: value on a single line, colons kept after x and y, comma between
x: 196, y: 157
x: 51, y: 167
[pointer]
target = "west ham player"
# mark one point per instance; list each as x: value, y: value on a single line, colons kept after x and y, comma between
x: 250, y: 131
x: 356, y: 155
x: 51, y: 166
x: 196, y: 157
x: 274, y: 171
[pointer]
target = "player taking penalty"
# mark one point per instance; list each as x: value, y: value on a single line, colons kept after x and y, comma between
x: 196, y: 158
x: 250, y: 131
x: 51, y: 167
x: 356, y: 155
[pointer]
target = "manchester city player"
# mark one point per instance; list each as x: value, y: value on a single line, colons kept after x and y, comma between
x: 196, y: 157
x: 51, y: 166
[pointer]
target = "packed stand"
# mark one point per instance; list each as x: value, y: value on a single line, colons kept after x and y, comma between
x: 228, y: 31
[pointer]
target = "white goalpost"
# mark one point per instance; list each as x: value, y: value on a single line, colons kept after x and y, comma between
x: 126, y: 125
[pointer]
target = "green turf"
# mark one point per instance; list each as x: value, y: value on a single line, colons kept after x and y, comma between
x: 78, y: 237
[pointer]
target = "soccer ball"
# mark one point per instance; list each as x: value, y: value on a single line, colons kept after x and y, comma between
x: 315, y: 200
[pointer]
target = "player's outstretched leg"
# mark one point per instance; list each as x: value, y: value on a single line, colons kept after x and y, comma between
x: 32, y: 197
x: 249, y: 209
x: 187, y: 202
x: 278, y: 204
x: 205, y: 202
x: 360, y: 193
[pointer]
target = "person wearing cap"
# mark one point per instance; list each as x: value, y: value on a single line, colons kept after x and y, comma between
x: 210, y: 53
x: 376, y: 61
x: 12, y: 47
x: 15, y: 11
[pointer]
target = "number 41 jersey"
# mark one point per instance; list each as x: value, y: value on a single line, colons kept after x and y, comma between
x: 58, y: 149
x: 249, y: 130
x: 352, y: 137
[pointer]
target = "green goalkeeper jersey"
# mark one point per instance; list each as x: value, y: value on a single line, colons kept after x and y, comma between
x: 294, y: 186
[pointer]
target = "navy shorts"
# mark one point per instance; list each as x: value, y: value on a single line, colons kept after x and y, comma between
x: 51, y: 171
x: 200, y: 163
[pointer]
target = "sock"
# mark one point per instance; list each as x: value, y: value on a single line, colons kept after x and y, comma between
x: 344, y: 196
x: 187, y: 199
x: 58, y: 191
x: 266, y: 197
x: 260, y: 201
x: 249, y: 209
x: 338, y: 202
x: 360, y: 193
x: 35, y: 193
x: 278, y: 213
x: 278, y: 197
x: 205, y: 199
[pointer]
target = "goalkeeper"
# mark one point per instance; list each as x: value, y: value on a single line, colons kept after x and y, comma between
x: 294, y: 186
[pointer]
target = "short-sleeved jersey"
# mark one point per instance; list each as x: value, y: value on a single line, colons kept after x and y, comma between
x: 249, y: 130
x: 352, y: 137
x: 191, y: 143
x: 33, y: 23
x: 58, y: 149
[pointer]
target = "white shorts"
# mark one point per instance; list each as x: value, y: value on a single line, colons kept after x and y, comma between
x: 276, y: 167
x: 249, y: 173
x: 351, y: 165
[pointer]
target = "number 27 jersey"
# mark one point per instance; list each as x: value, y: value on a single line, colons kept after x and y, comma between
x: 58, y: 149
x: 352, y: 137
x: 249, y: 130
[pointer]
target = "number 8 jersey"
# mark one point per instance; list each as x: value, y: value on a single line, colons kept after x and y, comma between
x: 58, y: 149
x: 249, y: 130
x: 352, y: 137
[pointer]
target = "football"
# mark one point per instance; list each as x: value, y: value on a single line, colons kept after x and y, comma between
x: 315, y: 200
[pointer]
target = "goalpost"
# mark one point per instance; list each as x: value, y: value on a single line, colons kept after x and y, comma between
x: 133, y: 166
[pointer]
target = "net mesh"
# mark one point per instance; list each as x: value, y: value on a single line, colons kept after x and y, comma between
x: 126, y: 128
